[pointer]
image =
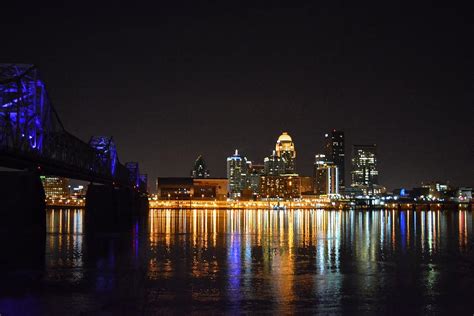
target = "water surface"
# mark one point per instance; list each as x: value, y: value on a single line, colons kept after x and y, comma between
x: 240, y: 261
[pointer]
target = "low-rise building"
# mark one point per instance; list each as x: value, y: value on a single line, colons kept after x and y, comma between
x: 185, y: 188
x: 282, y: 186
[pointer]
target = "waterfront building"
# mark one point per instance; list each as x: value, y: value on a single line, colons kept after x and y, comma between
x: 307, y: 185
x: 436, y: 190
x: 274, y: 165
x: 326, y: 176
x: 285, y: 149
x: 463, y: 194
x: 364, y: 169
x: 55, y: 187
x: 282, y: 186
x: 174, y: 188
x: 335, y: 153
x: 237, y: 174
x: 200, y: 170
x: 210, y: 188
x: 184, y: 188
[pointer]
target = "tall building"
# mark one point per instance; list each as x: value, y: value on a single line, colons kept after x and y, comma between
x: 364, y: 168
x: 200, y: 170
x: 255, y: 172
x: 274, y: 165
x: 237, y: 174
x: 55, y: 187
x: 326, y: 176
x: 285, y: 149
x: 334, y: 151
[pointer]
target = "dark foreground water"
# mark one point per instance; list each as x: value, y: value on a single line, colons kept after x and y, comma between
x: 248, y: 261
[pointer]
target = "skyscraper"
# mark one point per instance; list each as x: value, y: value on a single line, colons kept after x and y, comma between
x: 274, y: 165
x: 237, y: 174
x: 364, y: 168
x: 326, y: 176
x: 285, y: 149
x: 200, y: 170
x: 334, y: 151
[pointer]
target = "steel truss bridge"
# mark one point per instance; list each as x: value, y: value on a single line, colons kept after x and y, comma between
x: 32, y: 136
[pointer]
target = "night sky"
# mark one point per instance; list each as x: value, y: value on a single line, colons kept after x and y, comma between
x: 171, y: 83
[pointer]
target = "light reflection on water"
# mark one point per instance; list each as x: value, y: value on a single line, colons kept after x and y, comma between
x: 265, y: 260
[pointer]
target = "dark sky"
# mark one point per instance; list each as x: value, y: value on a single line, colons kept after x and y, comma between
x: 170, y: 83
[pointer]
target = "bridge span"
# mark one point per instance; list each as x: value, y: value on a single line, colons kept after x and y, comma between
x: 33, y: 139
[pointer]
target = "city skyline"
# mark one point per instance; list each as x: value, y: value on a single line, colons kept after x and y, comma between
x: 217, y: 77
x: 225, y: 157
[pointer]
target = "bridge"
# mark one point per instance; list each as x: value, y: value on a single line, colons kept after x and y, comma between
x: 33, y: 138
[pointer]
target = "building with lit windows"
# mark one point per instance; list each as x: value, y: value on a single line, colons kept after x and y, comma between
x: 364, y: 169
x: 282, y: 187
x: 255, y: 172
x: 177, y: 188
x: 335, y: 153
x: 326, y: 177
x: 200, y: 170
x: 285, y: 149
x: 210, y: 188
x: 55, y: 187
x: 274, y: 165
x: 307, y: 185
x: 237, y: 174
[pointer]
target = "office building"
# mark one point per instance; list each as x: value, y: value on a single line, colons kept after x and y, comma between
x: 255, y: 172
x: 335, y: 153
x: 210, y: 188
x: 274, y: 165
x: 307, y: 185
x: 191, y: 188
x: 285, y: 149
x: 55, y: 187
x: 364, y: 169
x: 237, y: 174
x: 174, y: 188
x: 200, y: 170
x: 282, y: 187
x: 326, y: 177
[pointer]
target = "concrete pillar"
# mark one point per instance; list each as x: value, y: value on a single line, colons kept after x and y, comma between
x: 22, y: 221
x: 110, y: 209
x: 22, y: 203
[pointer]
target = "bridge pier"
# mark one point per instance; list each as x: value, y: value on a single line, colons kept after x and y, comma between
x: 111, y: 209
x: 22, y: 203
x: 22, y: 221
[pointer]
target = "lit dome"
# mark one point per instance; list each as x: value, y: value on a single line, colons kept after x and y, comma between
x: 284, y: 138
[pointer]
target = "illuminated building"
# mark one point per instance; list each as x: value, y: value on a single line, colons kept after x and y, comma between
x: 285, y: 149
x: 210, y: 188
x: 55, y: 187
x: 255, y: 172
x: 326, y: 176
x: 463, y: 194
x: 274, y: 165
x: 200, y: 170
x: 174, y: 188
x: 189, y: 188
x: 283, y: 186
x: 307, y: 185
x: 364, y: 169
x: 436, y: 190
x: 334, y: 150
x: 237, y: 174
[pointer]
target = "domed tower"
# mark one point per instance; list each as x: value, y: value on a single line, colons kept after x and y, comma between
x: 285, y: 148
